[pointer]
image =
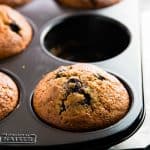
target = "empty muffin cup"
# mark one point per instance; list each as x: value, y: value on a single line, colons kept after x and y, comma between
x: 85, y: 38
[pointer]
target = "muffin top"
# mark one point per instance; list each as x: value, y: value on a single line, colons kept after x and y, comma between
x: 14, y: 3
x: 87, y: 4
x: 15, y: 32
x: 8, y: 95
x: 80, y: 97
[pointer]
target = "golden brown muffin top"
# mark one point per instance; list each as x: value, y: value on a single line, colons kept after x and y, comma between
x: 87, y: 4
x: 15, y: 32
x: 14, y: 3
x: 80, y: 97
x: 8, y: 95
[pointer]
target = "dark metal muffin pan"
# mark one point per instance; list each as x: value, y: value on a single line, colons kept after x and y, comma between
x: 22, y: 127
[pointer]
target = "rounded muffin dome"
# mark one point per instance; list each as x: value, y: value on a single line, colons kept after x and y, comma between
x: 80, y: 97
x: 9, y: 95
x: 87, y: 4
x: 15, y: 32
x: 14, y: 3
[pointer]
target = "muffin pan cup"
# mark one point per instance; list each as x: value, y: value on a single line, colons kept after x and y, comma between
x: 23, y: 128
x: 84, y: 37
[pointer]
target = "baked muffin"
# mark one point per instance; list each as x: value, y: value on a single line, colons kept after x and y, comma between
x: 80, y: 97
x: 87, y: 4
x: 14, y: 3
x: 15, y: 32
x: 8, y: 95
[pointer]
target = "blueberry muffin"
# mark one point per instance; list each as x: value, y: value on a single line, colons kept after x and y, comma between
x: 15, y: 32
x: 80, y: 97
x: 8, y: 95
x: 87, y: 4
x: 14, y: 3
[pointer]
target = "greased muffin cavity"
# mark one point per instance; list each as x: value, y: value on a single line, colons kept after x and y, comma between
x: 15, y: 32
x: 87, y: 4
x: 9, y: 95
x: 80, y: 97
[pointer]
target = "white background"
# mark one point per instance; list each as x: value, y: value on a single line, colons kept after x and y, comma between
x: 142, y: 137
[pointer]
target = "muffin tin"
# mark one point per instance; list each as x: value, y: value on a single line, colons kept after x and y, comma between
x: 114, y: 35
